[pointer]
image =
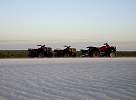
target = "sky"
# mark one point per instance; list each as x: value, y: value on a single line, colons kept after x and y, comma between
x: 68, y: 20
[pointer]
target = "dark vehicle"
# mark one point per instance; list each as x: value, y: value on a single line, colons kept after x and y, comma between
x: 104, y: 51
x: 42, y: 51
x: 67, y: 52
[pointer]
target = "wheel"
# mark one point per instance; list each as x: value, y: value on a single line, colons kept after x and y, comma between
x: 74, y: 55
x: 112, y: 54
x: 96, y: 54
x: 50, y: 54
x: 41, y: 55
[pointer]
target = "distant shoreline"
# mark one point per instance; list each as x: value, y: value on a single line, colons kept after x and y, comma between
x: 24, y: 54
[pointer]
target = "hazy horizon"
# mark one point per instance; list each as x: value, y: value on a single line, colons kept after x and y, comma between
x: 25, y: 44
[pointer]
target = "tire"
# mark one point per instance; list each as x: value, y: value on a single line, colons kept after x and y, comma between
x: 41, y: 55
x: 74, y: 55
x: 112, y: 54
x: 96, y: 54
x: 50, y: 54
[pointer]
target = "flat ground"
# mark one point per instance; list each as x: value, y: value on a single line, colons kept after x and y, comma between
x: 68, y: 79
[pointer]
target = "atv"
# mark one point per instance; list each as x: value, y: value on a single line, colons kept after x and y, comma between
x: 103, y: 51
x: 42, y: 51
x: 66, y: 52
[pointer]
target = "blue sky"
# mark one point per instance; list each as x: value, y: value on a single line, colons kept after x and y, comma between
x: 68, y: 20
